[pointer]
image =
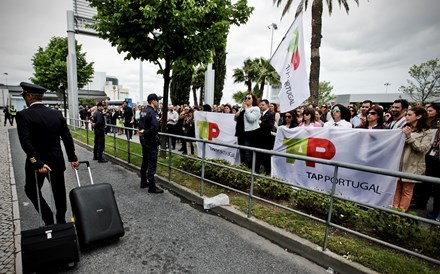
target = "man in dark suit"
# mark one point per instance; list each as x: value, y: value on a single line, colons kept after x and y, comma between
x: 39, y: 130
x: 99, y: 130
x: 128, y: 119
x: 265, y: 138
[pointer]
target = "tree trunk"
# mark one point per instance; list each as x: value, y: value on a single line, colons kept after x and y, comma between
x: 202, y: 93
x: 166, y: 88
x: 314, y: 46
x: 194, y: 90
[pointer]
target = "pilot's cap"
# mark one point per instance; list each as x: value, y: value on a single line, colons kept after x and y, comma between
x: 31, y: 88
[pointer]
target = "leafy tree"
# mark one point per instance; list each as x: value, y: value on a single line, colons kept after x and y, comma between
x: 88, y: 101
x: 220, y: 72
x: 426, y: 84
x: 265, y: 72
x: 50, y: 68
x: 181, y: 86
x: 317, y: 7
x: 325, y: 90
x: 169, y: 33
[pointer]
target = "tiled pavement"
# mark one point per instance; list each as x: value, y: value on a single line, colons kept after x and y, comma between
x: 9, y: 213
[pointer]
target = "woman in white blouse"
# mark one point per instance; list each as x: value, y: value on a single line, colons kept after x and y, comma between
x: 341, y: 117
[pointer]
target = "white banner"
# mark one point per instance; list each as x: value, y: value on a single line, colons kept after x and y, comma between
x: 290, y: 63
x: 219, y: 127
x: 373, y: 148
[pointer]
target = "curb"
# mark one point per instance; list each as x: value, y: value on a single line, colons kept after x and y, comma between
x: 15, y: 211
x: 285, y: 239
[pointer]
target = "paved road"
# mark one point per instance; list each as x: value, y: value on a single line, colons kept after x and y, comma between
x: 165, y: 234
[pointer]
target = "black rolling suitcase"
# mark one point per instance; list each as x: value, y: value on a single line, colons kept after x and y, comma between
x: 49, y: 247
x: 95, y: 211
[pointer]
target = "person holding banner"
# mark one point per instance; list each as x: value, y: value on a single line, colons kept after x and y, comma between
x: 341, y: 117
x: 418, y: 142
x: 374, y: 118
x: 247, y: 126
x: 309, y: 118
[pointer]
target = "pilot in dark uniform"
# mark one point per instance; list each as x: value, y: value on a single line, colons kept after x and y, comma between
x: 39, y: 130
x: 149, y: 136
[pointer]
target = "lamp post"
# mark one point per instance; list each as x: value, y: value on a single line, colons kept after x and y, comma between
x: 386, y: 86
x: 6, y: 78
x: 273, y: 27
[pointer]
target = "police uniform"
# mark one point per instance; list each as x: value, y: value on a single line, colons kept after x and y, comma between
x: 99, y: 130
x: 39, y: 130
x: 149, y: 123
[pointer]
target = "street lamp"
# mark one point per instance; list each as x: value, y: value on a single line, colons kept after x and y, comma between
x: 386, y: 86
x: 6, y: 78
x: 273, y: 27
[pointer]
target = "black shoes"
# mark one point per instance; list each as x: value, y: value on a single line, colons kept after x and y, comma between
x: 155, y: 190
x: 102, y: 161
x: 144, y: 185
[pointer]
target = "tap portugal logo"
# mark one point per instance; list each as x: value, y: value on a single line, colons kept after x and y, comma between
x: 312, y: 147
x: 208, y: 130
x: 293, y: 47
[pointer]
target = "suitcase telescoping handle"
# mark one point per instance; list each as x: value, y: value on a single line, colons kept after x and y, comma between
x: 52, y: 199
x: 90, y: 172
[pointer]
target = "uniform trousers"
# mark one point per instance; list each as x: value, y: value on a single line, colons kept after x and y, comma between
x: 98, y: 148
x: 149, y: 163
x: 58, y: 190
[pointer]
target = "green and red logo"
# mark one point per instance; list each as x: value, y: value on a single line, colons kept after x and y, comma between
x: 293, y: 47
x: 208, y: 130
x: 311, y: 147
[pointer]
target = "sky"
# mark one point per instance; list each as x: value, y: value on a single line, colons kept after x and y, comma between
x: 376, y: 43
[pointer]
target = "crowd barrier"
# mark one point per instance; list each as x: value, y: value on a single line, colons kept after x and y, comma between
x: 76, y: 124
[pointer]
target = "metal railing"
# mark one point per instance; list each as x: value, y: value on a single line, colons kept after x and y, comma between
x: 253, y: 174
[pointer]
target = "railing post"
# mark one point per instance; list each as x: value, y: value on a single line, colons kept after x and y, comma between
x: 114, y: 140
x: 128, y: 149
x: 202, y: 177
x: 329, y: 216
x: 251, y: 190
x: 170, y: 154
x: 87, y: 131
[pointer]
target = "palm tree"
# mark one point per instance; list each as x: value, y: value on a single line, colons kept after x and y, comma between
x: 245, y: 74
x: 316, y: 36
x: 258, y: 71
x: 198, y: 82
x: 266, y: 73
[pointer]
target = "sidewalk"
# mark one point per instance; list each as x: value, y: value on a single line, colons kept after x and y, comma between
x: 9, y: 213
x: 164, y: 233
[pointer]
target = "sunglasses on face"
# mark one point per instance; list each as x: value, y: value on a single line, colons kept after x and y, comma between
x: 372, y: 113
x: 288, y: 116
x: 248, y: 98
x: 336, y: 110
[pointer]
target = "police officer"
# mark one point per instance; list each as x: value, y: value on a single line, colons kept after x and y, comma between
x: 13, y: 113
x: 149, y: 137
x: 99, y: 129
x: 39, y: 130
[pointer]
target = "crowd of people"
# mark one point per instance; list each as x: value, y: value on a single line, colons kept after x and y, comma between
x: 257, y: 122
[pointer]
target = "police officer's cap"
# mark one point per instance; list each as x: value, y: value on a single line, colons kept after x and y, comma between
x: 31, y: 88
x: 152, y: 97
x: 99, y: 104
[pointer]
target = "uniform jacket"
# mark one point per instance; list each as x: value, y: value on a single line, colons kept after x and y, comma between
x: 413, y: 157
x: 39, y: 130
x: 150, y: 124
x: 99, y: 120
